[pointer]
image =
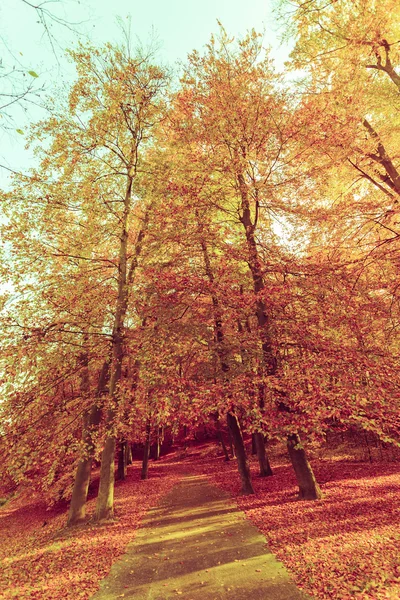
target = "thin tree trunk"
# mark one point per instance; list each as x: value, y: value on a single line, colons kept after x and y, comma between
x: 243, y: 466
x: 122, y: 460
x: 231, y: 446
x: 129, y: 454
x: 221, y: 438
x: 77, y: 509
x: 308, y: 486
x: 156, y: 450
x: 368, y: 447
x: 162, y: 439
x: 233, y: 425
x: 146, y: 453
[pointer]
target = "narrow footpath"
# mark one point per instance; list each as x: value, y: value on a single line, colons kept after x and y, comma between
x: 197, y: 545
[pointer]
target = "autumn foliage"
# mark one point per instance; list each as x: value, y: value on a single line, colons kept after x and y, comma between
x: 219, y: 249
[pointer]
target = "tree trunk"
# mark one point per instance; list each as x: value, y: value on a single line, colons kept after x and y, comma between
x: 253, y: 444
x: 156, y: 448
x: 256, y: 270
x: 243, y: 466
x: 308, y: 486
x: 233, y: 425
x: 221, y: 439
x: 122, y: 460
x: 265, y: 467
x: 105, y: 498
x: 129, y: 454
x: 77, y: 508
x: 368, y: 447
x: 146, y: 453
x: 231, y: 445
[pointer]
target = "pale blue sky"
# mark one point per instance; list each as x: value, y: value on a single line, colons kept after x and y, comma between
x: 180, y: 25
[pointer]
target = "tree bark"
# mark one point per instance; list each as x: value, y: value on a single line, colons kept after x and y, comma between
x: 253, y: 444
x: 265, y: 467
x: 263, y: 320
x: 308, y: 486
x: 77, y: 508
x: 220, y: 437
x: 105, y: 499
x: 129, y: 454
x: 392, y: 175
x: 233, y: 425
x: 243, y: 466
x: 146, y: 454
x: 304, y: 473
x: 231, y: 446
x: 156, y: 447
x: 122, y: 460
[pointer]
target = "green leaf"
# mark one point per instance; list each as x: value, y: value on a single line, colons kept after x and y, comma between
x: 33, y: 74
x: 19, y: 131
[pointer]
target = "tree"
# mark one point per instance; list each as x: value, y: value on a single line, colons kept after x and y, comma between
x: 231, y: 104
x: 94, y: 154
x: 157, y: 286
x: 349, y: 56
x: 124, y: 96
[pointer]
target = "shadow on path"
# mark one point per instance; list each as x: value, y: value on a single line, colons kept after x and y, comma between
x: 197, y: 545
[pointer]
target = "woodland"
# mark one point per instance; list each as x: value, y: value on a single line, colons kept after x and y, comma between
x: 215, y: 250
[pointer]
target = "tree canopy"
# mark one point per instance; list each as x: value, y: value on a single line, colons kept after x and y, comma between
x: 220, y: 246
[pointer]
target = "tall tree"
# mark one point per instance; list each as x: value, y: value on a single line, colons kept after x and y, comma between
x: 95, y: 156
x: 232, y: 106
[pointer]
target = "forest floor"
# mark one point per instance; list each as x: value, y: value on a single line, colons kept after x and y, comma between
x: 343, y: 547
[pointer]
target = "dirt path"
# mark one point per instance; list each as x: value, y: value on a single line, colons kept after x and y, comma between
x: 197, y: 545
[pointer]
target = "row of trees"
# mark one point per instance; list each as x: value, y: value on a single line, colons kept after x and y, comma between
x: 221, y: 248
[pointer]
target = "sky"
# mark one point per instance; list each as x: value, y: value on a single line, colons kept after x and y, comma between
x: 179, y: 26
